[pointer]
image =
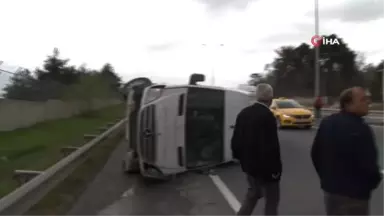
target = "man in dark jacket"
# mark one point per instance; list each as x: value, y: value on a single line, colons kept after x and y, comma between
x: 256, y: 145
x: 344, y: 155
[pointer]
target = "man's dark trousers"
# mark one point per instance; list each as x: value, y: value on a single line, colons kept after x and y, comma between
x: 343, y: 205
x: 258, y: 189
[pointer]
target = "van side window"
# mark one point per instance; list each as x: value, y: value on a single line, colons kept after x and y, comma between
x: 204, y: 126
x: 181, y: 105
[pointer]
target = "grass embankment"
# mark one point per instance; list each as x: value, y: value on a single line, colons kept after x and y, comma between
x: 38, y: 147
x: 62, y: 198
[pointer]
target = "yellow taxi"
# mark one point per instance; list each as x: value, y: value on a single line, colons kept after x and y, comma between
x: 289, y: 113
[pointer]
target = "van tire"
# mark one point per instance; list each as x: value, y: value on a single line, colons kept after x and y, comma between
x: 130, y: 163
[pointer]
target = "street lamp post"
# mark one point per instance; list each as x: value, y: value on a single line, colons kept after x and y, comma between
x: 213, y: 67
x: 317, y: 52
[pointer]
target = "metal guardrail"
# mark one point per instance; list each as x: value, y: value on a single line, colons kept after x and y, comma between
x: 335, y: 110
x: 11, y: 200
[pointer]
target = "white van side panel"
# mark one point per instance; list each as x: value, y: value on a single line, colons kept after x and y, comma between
x: 234, y: 103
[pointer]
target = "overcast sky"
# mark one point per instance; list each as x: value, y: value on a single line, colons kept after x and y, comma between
x: 162, y: 39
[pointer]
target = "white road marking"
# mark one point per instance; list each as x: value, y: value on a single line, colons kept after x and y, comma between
x: 224, y: 190
x: 120, y: 206
x: 129, y: 192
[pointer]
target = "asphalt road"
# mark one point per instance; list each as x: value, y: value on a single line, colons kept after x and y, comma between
x: 371, y: 118
x: 114, y: 193
x: 218, y: 193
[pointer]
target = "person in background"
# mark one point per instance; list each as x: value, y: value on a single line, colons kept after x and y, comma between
x: 255, y: 144
x: 318, y: 105
x: 344, y: 155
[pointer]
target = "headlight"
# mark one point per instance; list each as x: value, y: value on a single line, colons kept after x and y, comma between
x: 286, y: 116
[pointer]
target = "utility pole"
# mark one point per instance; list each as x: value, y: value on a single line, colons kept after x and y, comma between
x: 213, y: 66
x: 213, y: 77
x: 317, y: 52
x: 317, y: 58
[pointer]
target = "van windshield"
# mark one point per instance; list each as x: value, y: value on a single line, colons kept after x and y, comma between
x: 288, y: 104
x: 153, y: 94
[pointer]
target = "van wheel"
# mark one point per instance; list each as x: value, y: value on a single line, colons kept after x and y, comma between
x: 130, y: 163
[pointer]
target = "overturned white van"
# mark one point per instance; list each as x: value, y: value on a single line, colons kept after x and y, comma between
x: 179, y: 128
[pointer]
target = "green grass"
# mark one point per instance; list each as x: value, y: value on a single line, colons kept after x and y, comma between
x: 38, y: 147
x: 62, y: 198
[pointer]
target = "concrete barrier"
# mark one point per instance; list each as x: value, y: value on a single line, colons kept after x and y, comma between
x: 18, y: 113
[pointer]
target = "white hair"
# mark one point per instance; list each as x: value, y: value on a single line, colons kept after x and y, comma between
x: 263, y: 92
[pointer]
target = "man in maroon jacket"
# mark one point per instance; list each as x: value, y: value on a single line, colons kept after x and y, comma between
x: 318, y: 105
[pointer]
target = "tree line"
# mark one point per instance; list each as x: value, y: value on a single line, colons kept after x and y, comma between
x: 57, y: 79
x: 292, y: 72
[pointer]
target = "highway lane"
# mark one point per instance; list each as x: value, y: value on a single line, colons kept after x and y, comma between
x: 300, y: 189
x: 113, y: 193
x: 372, y: 118
x: 108, y: 186
x: 379, y: 134
x: 190, y: 194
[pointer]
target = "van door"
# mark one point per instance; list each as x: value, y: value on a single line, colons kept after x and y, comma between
x: 170, y: 127
x: 147, y: 134
x: 161, y: 142
x: 204, y: 140
x: 147, y: 131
